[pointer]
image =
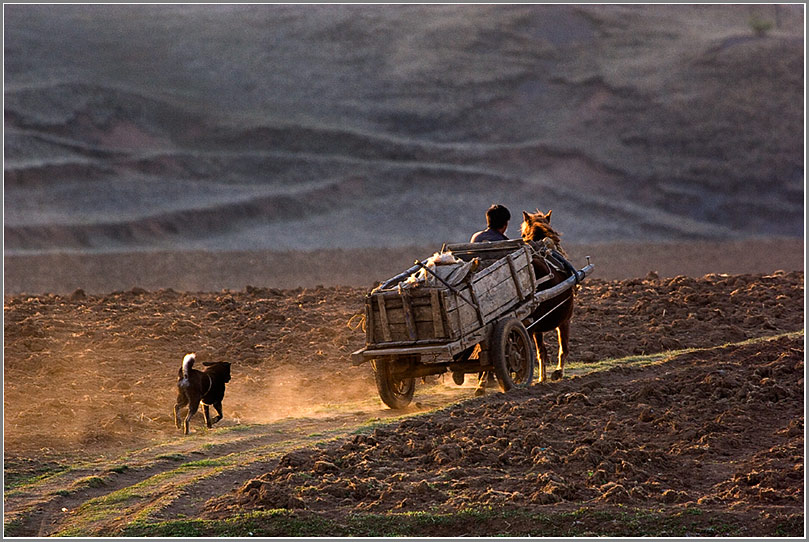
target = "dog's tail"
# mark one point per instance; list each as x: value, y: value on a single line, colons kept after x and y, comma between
x: 188, y: 362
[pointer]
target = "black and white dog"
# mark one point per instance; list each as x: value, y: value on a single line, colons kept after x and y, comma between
x: 207, y: 387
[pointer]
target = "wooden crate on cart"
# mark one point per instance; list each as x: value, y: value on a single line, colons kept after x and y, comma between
x: 426, y: 315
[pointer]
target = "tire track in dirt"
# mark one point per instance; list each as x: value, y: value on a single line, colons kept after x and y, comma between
x: 168, y: 487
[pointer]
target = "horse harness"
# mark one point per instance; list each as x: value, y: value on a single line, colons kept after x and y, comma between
x: 554, y: 259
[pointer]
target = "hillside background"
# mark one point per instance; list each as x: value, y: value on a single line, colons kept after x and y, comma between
x: 257, y: 127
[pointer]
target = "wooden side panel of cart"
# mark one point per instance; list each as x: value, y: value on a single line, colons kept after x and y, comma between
x: 434, y: 315
x: 417, y: 316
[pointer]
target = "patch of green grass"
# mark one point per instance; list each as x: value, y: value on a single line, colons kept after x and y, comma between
x: 639, y: 360
x: 98, y: 509
x: 267, y: 523
x: 286, y: 523
x: 13, y: 527
x: 375, y: 525
x: 180, y: 528
x: 91, y: 481
x: 241, y: 428
x: 172, y: 457
x: 218, y: 462
x: 478, y: 521
x: 14, y: 480
x: 642, y: 360
x: 63, y: 492
x: 114, y: 504
x: 115, y: 498
x: 119, y: 469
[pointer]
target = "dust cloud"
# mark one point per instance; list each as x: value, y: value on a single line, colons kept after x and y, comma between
x: 261, y: 395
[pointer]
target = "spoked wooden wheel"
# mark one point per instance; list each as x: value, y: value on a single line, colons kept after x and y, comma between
x: 396, y: 392
x: 512, y: 354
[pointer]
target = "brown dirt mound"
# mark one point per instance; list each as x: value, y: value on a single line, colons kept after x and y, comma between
x: 643, y: 316
x: 98, y: 372
x: 717, y: 427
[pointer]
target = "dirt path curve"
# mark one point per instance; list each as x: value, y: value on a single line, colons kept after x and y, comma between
x: 175, y: 478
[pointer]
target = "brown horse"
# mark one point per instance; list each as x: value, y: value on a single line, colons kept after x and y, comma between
x: 554, y: 313
x: 536, y: 227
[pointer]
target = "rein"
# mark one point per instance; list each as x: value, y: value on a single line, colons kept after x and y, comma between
x: 554, y: 260
x: 538, y: 320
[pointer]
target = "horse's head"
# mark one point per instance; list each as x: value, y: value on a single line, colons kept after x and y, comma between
x: 537, y: 226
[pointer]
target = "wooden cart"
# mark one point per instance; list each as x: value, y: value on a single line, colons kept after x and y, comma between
x: 423, y: 331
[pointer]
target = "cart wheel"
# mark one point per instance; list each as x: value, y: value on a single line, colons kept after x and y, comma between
x: 512, y: 354
x: 396, y: 393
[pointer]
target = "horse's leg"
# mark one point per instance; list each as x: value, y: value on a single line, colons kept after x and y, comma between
x: 542, y: 354
x: 563, y: 332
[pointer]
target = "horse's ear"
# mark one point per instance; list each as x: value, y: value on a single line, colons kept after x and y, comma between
x: 548, y: 216
x: 526, y: 217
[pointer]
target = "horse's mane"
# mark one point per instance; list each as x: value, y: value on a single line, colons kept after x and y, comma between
x: 537, y: 226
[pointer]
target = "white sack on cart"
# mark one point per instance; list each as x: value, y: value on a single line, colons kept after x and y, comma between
x: 444, y: 264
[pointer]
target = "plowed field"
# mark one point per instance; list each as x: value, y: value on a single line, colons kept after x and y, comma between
x: 681, y: 414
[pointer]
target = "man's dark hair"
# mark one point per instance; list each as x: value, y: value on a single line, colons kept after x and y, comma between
x: 497, y: 216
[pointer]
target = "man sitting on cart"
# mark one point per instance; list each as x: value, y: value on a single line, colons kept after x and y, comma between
x: 497, y: 217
